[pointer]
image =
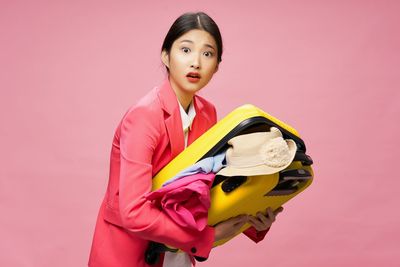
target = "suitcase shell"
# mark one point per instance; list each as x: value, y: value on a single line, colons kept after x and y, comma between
x: 256, y: 193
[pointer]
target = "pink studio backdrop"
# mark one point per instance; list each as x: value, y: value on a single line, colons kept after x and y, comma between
x: 70, y: 69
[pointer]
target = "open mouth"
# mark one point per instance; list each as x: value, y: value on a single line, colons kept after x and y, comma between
x: 193, y: 75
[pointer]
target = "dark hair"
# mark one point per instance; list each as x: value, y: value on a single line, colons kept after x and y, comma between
x: 190, y: 21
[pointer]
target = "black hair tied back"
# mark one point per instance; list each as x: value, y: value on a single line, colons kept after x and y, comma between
x: 190, y: 21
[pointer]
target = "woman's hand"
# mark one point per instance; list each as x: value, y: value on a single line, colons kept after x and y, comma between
x: 229, y: 227
x: 262, y: 222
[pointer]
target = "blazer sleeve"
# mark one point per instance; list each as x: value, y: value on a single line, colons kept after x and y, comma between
x: 254, y: 235
x: 138, y: 140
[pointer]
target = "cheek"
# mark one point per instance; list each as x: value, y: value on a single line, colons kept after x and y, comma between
x: 211, y: 68
x: 179, y: 60
x: 175, y: 66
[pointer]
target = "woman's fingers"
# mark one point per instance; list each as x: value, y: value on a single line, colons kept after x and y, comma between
x: 231, y: 226
x: 242, y: 221
x: 262, y: 222
x: 278, y: 210
x: 240, y: 218
x: 256, y: 223
x: 271, y: 215
x: 262, y: 218
x: 237, y: 222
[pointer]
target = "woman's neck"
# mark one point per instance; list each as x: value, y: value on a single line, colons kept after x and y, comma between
x: 184, y: 98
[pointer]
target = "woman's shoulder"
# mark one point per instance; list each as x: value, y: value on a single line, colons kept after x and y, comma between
x: 147, y: 106
x: 205, y: 105
x: 206, y: 108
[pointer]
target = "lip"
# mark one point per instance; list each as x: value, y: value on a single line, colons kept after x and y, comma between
x: 193, y: 80
x: 193, y: 74
x: 193, y: 77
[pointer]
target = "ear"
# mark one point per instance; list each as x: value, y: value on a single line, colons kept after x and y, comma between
x: 165, y: 58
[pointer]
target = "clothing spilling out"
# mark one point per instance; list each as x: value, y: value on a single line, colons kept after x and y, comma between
x: 186, y: 196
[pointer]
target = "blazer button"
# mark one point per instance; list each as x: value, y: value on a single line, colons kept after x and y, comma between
x: 193, y: 250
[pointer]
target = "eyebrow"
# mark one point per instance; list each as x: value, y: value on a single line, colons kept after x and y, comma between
x: 189, y: 41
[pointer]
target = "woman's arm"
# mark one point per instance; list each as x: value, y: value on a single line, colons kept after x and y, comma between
x: 261, y: 224
x: 138, y: 141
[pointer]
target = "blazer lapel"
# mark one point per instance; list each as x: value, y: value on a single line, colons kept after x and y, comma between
x: 200, y: 122
x: 172, y: 118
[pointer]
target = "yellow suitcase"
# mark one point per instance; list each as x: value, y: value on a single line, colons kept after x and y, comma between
x: 232, y: 196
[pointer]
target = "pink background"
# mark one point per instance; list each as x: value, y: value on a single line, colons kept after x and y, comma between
x: 70, y: 69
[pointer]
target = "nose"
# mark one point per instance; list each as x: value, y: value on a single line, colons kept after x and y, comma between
x: 195, y: 62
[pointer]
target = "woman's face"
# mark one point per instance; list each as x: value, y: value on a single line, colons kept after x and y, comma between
x: 192, y: 61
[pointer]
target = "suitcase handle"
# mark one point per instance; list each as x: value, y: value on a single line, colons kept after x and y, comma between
x: 305, y: 159
x: 289, y: 181
x: 232, y: 183
x: 294, y: 174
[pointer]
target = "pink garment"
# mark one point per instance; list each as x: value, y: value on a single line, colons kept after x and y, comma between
x: 186, y: 200
x: 148, y: 137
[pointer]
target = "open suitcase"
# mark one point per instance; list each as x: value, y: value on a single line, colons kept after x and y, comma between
x: 231, y: 196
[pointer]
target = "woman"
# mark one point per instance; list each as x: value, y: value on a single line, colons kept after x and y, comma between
x: 150, y: 135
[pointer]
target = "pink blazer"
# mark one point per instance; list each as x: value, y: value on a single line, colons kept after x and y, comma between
x: 148, y: 137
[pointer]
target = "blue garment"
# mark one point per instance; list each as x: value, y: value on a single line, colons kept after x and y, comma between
x: 207, y: 165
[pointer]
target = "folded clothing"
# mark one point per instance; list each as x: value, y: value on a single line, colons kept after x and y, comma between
x: 206, y: 165
x: 186, y: 200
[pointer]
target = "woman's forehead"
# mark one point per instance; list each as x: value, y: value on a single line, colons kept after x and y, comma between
x: 197, y: 37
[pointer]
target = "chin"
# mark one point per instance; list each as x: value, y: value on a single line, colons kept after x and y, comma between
x: 193, y: 88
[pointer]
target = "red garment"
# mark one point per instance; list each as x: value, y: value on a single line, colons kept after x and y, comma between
x: 254, y: 235
x: 186, y: 200
x: 148, y: 137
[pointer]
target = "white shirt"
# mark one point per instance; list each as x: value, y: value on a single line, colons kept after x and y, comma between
x: 181, y: 259
x: 187, y: 119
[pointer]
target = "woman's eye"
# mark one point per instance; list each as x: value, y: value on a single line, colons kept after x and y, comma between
x: 208, y: 54
x: 185, y: 50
